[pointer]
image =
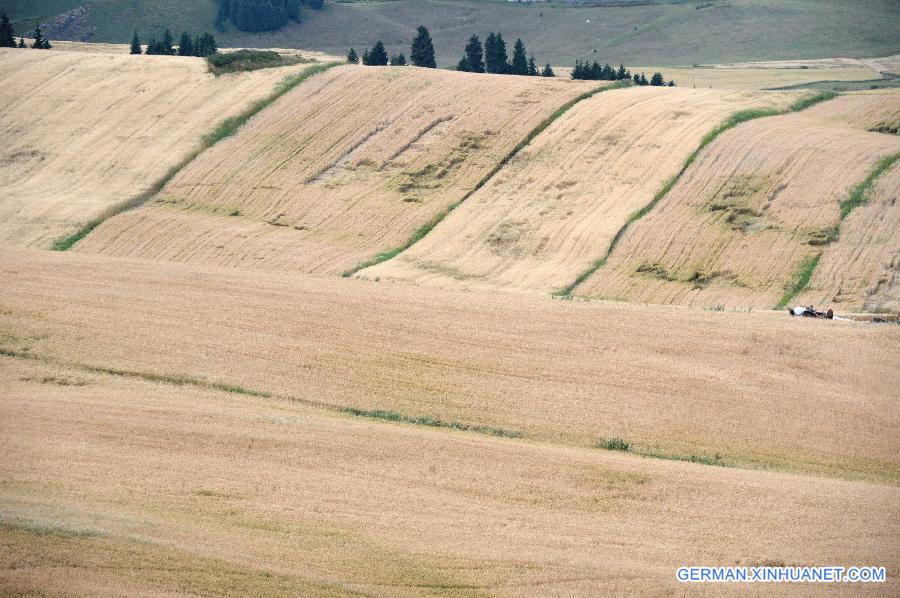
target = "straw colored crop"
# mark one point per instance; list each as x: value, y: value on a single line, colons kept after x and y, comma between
x: 553, y: 209
x: 669, y: 381
x: 347, y: 165
x: 86, y: 132
x: 748, y: 218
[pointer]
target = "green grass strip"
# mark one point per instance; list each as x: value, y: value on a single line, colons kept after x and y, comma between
x: 859, y: 196
x: 618, y: 444
x: 393, y: 416
x: 732, y: 121
x: 799, y: 280
x: 436, y: 219
x: 226, y: 128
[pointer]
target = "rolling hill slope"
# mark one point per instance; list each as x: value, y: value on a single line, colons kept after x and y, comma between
x: 345, y: 166
x: 754, y: 208
x: 86, y: 132
x: 547, y: 215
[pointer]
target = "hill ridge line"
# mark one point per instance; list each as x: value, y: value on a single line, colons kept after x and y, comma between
x: 729, y: 123
x: 426, y: 228
x: 223, y: 130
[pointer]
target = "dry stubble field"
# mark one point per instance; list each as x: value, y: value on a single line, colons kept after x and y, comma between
x: 86, y: 132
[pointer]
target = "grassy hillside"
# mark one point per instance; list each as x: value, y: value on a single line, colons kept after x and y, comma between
x: 663, y: 33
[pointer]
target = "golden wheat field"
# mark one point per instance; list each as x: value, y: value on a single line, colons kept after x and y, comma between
x: 338, y: 170
x: 758, y: 202
x: 861, y: 270
x: 553, y: 209
x: 106, y: 128
x: 194, y: 401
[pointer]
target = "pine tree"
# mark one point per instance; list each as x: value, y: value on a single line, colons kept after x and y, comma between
x: 548, y: 71
x: 197, y: 49
x: 398, y: 60
x: 352, y: 57
x: 206, y: 46
x: 657, y: 80
x: 621, y: 73
x: 490, y: 51
x: 22, y: 43
x: 135, y: 43
x: 519, y: 64
x: 7, y: 34
x: 422, y: 52
x: 463, y: 65
x: 166, y: 43
x: 671, y: 83
x: 378, y: 55
x: 495, y: 54
x: 38, y: 39
x: 643, y: 80
x: 532, y: 68
x: 186, y: 45
x: 577, y: 70
x: 365, y: 58
x: 474, y: 55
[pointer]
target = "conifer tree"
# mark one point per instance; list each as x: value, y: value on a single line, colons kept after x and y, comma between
x: 548, y: 71
x: 495, y: 60
x: 38, y: 39
x: 622, y: 73
x: 474, y: 55
x: 657, y: 80
x: 206, y: 45
x: 166, y: 43
x: 352, y: 57
x: 519, y: 64
x: 463, y: 65
x: 378, y: 55
x: 186, y: 45
x: 532, y: 68
x: 365, y: 58
x: 398, y: 60
x: 135, y: 43
x: 7, y: 34
x: 422, y: 52
x: 22, y: 43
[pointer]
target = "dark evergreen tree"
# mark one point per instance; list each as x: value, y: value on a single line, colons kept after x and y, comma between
x: 166, y: 43
x: 643, y: 80
x: 495, y: 59
x: 519, y: 64
x: 7, y: 34
x: 398, y: 60
x: 607, y: 74
x: 22, y: 43
x: 548, y: 71
x: 422, y: 52
x: 657, y: 80
x: 637, y: 79
x: 474, y: 55
x: 197, y: 46
x: 206, y: 45
x: 186, y: 45
x: 463, y: 65
x: 39, y: 42
x: 378, y: 55
x: 365, y: 58
x: 135, y: 43
x: 595, y: 72
x: 671, y: 83
x: 622, y: 73
x: 532, y: 68
x: 352, y: 57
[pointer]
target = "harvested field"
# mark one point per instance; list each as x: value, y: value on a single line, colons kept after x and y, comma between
x: 87, y: 132
x: 567, y: 372
x: 347, y: 165
x: 753, y: 211
x: 553, y: 209
x: 861, y: 269
x: 134, y: 487
x: 770, y: 75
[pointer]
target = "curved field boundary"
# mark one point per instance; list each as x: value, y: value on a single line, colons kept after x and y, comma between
x: 225, y: 129
x: 428, y: 226
x: 731, y: 122
x: 860, y: 195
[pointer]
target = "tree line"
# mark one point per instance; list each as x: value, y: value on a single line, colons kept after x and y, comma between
x: 8, y: 36
x: 491, y: 58
x: 261, y: 15
x: 203, y: 45
x: 595, y: 72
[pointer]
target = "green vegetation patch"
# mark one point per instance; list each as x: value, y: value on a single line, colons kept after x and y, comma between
x: 393, y: 416
x: 799, y: 280
x: 859, y: 194
x: 249, y: 60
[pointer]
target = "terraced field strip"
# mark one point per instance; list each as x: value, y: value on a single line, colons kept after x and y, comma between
x: 565, y: 372
x: 337, y: 170
x: 214, y: 495
x: 107, y: 131
x: 758, y: 201
x: 546, y: 214
x: 860, y: 268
